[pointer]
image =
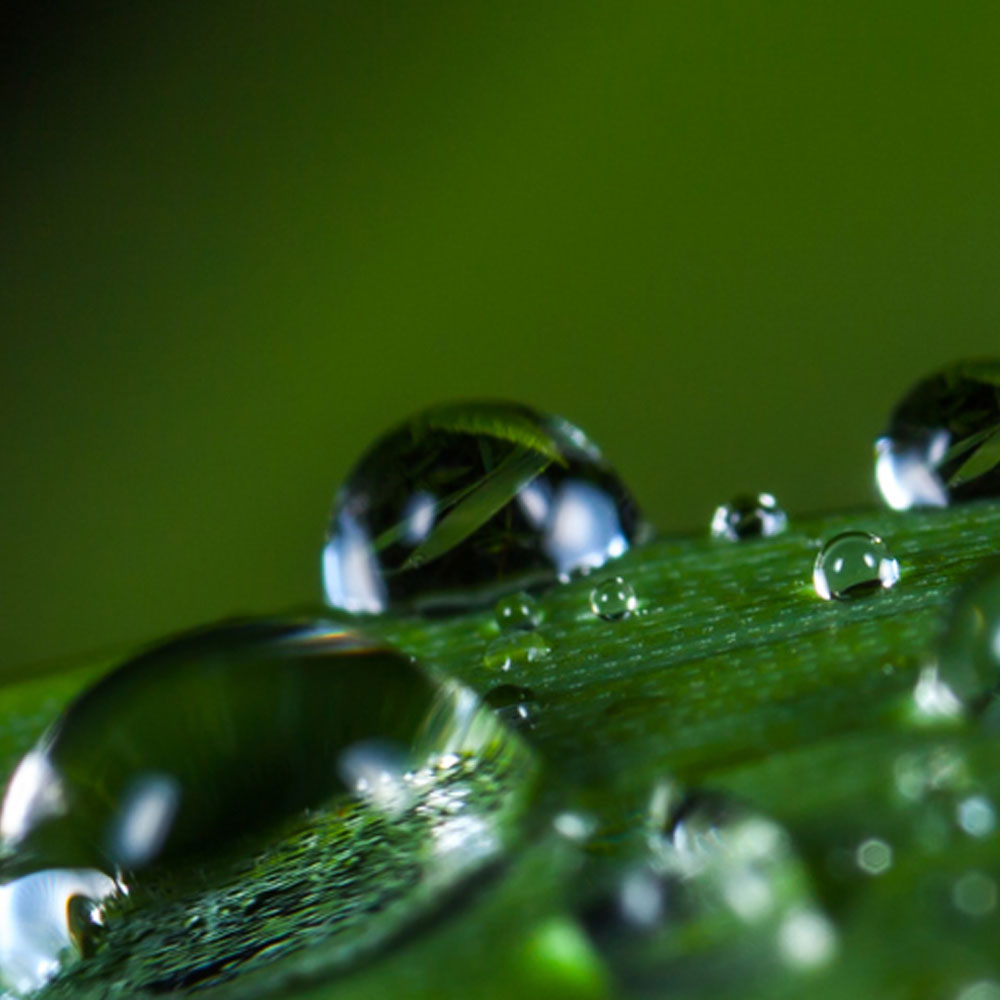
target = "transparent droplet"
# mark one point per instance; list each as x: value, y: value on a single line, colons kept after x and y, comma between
x: 517, y: 706
x: 35, y: 931
x: 853, y: 564
x: 613, y: 599
x: 942, y: 443
x: 466, y: 502
x: 85, y: 920
x: 507, y: 652
x: 969, y: 657
x: 210, y: 735
x: 517, y: 611
x: 747, y: 516
x: 717, y: 873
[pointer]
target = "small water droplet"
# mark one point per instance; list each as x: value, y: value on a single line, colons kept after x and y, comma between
x: 873, y: 856
x: 613, y: 599
x: 507, y: 652
x: 975, y: 894
x: 516, y: 706
x: 465, y: 502
x: 969, y: 657
x: 853, y: 564
x: 517, y: 611
x: 942, y: 443
x: 747, y: 516
x: 35, y: 932
x: 85, y: 920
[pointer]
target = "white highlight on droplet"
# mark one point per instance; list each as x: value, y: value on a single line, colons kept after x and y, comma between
x: 806, y: 939
x: 144, y: 820
x: 35, y: 793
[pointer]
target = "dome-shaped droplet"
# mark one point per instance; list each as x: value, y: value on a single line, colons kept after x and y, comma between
x: 517, y: 706
x: 748, y: 516
x: 465, y: 502
x: 507, y: 652
x: 969, y: 656
x: 942, y: 443
x: 517, y: 611
x: 853, y: 564
x: 613, y: 599
x: 206, y: 737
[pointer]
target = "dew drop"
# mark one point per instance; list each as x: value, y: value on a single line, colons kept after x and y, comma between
x: 465, y: 502
x: 213, y: 734
x: 747, y: 516
x: 35, y: 925
x: 508, y: 652
x: 942, y: 443
x: 854, y: 564
x: 517, y: 611
x: 969, y: 657
x: 207, y: 750
x: 613, y: 599
x: 517, y: 706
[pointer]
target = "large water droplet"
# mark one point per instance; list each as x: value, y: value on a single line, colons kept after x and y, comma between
x: 853, y: 564
x: 969, y: 656
x: 748, y: 516
x: 181, y: 753
x: 613, y: 599
x: 464, y: 502
x: 942, y: 443
x: 204, y: 737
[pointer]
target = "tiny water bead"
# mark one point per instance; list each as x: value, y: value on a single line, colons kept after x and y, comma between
x: 942, y: 442
x: 465, y: 502
x: 969, y: 655
x: 517, y: 706
x: 517, y: 611
x: 854, y: 564
x: 613, y: 599
x: 748, y: 516
x: 509, y: 651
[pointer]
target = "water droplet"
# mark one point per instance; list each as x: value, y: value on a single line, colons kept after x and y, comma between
x: 516, y: 706
x: 207, y: 736
x: 853, y: 564
x: 942, y: 443
x: 35, y: 931
x: 196, y: 759
x: 983, y: 989
x: 85, y: 920
x: 969, y: 657
x: 465, y: 502
x: 517, y: 611
x: 507, y: 652
x: 873, y: 856
x: 975, y: 894
x: 715, y: 872
x: 749, y: 516
x: 613, y: 599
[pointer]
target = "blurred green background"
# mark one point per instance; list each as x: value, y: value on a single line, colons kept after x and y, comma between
x: 239, y: 239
